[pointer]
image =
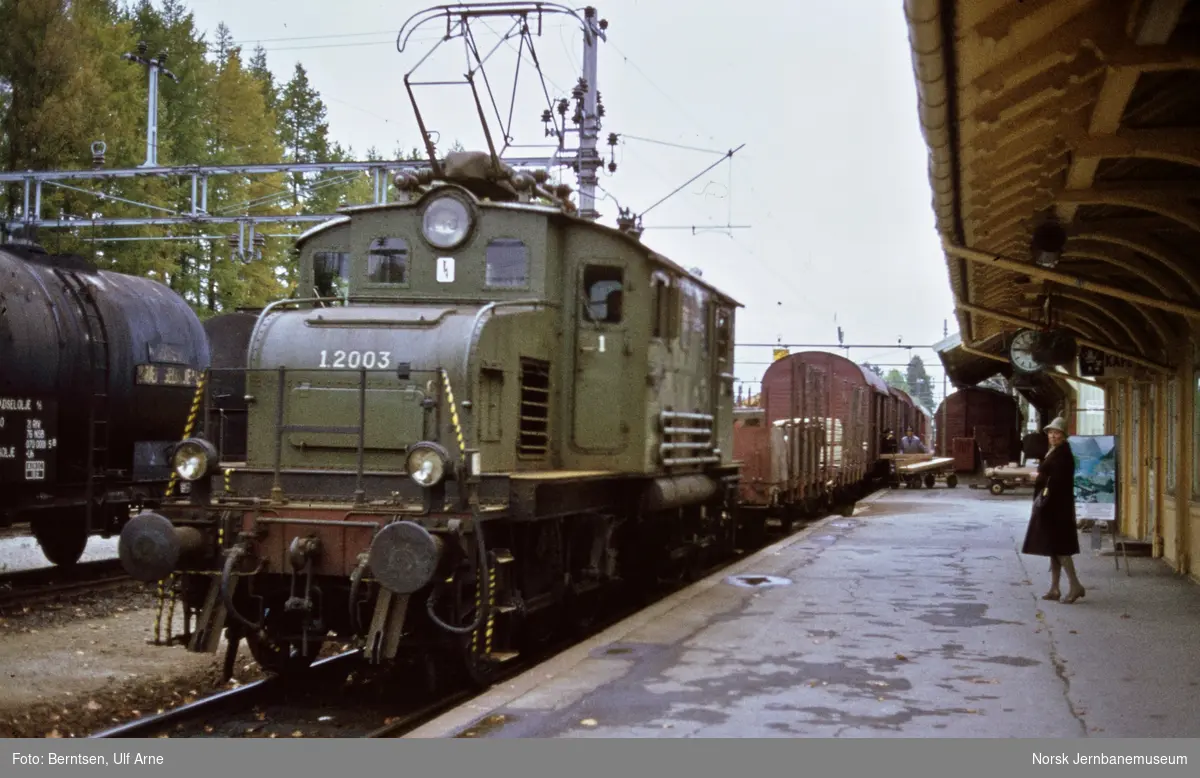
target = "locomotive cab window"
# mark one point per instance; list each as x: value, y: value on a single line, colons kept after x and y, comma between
x: 723, y: 336
x: 331, y: 273
x: 603, y: 288
x: 507, y: 264
x: 662, y: 308
x: 387, y: 261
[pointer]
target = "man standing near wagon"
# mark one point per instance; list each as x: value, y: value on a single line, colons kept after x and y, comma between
x: 910, y: 443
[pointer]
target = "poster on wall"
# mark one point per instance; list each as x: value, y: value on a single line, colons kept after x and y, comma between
x: 1095, y: 476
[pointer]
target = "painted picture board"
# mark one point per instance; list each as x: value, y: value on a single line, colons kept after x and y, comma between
x: 1096, y: 476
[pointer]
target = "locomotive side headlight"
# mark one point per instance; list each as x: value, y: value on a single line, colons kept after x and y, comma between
x: 446, y: 222
x: 193, y: 459
x: 426, y: 463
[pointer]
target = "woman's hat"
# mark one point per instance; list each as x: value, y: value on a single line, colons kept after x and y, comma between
x: 1059, y: 424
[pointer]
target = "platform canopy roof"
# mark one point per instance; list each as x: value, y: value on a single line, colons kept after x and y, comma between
x: 968, y: 366
x: 1080, y: 113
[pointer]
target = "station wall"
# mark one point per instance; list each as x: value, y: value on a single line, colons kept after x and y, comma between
x: 1157, y: 421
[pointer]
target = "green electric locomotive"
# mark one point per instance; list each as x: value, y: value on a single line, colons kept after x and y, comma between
x: 479, y: 415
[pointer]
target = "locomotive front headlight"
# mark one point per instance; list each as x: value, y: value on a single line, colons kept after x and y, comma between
x: 446, y: 222
x: 426, y: 463
x: 193, y: 459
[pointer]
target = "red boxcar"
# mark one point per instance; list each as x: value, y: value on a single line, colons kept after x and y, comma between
x: 752, y: 447
x: 814, y: 441
x: 880, y: 399
x: 904, y: 411
x: 990, y: 417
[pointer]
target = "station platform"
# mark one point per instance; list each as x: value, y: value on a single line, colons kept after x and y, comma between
x: 915, y: 617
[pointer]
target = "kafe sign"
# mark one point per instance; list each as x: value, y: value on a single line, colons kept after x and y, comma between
x: 1094, y: 363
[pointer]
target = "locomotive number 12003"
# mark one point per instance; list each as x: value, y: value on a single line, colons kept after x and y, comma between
x: 357, y: 359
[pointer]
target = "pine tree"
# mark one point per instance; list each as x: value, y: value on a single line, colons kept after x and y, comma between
x: 241, y: 133
x: 260, y: 70
x: 64, y: 85
x: 303, y: 130
x: 918, y: 379
x: 895, y: 378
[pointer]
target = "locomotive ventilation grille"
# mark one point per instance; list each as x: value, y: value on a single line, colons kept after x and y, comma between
x: 534, y: 435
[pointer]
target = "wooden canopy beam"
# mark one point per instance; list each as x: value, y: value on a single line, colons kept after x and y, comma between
x: 1029, y: 269
x: 1152, y: 23
x: 1030, y: 324
x: 1149, y: 246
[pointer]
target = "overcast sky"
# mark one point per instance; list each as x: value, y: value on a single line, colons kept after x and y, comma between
x: 832, y: 181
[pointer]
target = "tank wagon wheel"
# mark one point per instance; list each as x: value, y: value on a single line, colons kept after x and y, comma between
x: 951, y: 481
x: 62, y: 534
x: 996, y: 488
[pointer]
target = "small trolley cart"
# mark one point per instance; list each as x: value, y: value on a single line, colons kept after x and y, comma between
x: 915, y: 469
x: 1010, y: 476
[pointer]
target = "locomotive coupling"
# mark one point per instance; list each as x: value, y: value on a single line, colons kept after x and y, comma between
x: 150, y: 546
x: 404, y: 557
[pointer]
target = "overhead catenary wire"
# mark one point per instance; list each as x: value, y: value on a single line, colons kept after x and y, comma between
x: 671, y: 145
x: 728, y: 155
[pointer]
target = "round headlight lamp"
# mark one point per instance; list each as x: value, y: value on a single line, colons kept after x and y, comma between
x: 427, y: 463
x: 446, y: 223
x: 193, y: 459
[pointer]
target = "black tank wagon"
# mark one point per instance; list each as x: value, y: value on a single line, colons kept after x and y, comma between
x: 97, y: 377
x: 229, y: 340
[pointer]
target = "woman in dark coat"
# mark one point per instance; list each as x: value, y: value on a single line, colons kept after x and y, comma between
x: 1051, y: 529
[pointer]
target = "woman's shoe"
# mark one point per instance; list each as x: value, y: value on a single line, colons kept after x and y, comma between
x: 1053, y: 594
x: 1075, y: 595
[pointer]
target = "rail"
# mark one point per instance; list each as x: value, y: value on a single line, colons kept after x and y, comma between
x: 249, y: 693
x: 24, y: 587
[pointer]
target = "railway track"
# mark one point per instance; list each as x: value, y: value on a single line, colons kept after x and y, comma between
x: 315, y: 705
x: 222, y: 703
x: 19, y: 588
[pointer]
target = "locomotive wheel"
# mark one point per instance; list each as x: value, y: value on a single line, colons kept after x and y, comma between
x: 283, y: 658
x: 61, y: 534
x: 996, y: 488
x: 579, y: 613
x: 930, y: 480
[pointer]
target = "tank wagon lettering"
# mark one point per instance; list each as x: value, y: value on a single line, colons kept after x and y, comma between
x: 8, y: 452
x: 354, y: 360
x: 14, y: 404
x: 162, y: 375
